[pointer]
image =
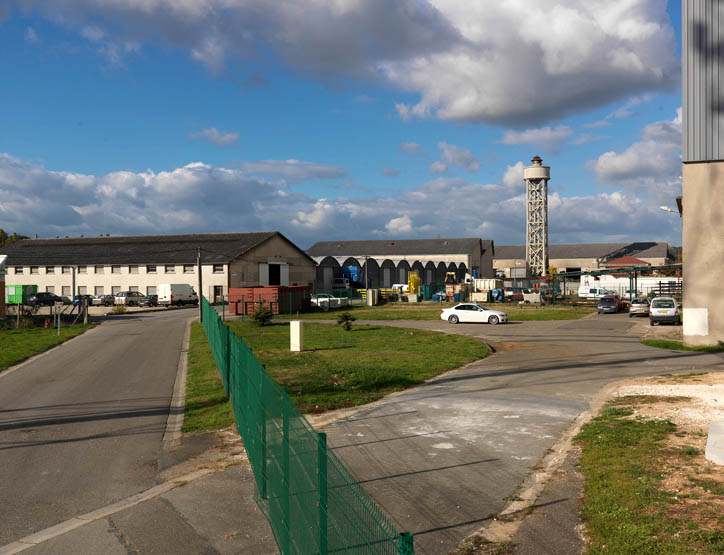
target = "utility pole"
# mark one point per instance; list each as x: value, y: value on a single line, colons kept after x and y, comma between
x: 200, y: 294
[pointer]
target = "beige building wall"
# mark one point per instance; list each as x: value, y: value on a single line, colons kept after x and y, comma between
x: 244, y: 272
x: 703, y: 231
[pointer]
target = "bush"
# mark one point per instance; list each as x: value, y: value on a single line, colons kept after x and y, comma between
x: 262, y: 315
x: 346, y: 320
x: 118, y: 309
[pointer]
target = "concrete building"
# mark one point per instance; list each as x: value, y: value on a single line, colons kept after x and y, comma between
x: 389, y: 261
x: 106, y: 265
x: 703, y: 165
x: 510, y: 260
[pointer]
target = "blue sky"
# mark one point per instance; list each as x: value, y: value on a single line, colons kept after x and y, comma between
x: 339, y: 119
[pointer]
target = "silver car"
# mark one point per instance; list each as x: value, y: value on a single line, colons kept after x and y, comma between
x: 664, y: 309
x: 639, y: 306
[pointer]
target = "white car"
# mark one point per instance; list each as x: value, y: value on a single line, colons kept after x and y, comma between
x: 323, y: 300
x: 664, y: 309
x: 470, y: 312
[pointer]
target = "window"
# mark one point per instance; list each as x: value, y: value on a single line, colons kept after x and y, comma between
x: 170, y: 269
x: 116, y: 289
x: 115, y: 269
x: 82, y: 290
x: 188, y: 268
x: 65, y: 269
x: 133, y: 269
x: 50, y: 289
x: 151, y: 269
x: 133, y: 288
x: 50, y: 269
x: 98, y: 291
x: 34, y: 270
x: 66, y: 290
x: 218, y: 268
x: 82, y: 269
x: 151, y: 290
x: 99, y: 269
x: 18, y: 269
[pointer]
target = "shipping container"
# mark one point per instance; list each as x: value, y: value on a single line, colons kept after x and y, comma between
x: 18, y: 294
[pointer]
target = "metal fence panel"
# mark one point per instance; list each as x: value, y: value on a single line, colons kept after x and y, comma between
x: 311, y: 500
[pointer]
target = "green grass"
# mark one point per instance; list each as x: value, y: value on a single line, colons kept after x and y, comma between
x: 206, y: 404
x: 339, y: 368
x: 624, y: 506
x: 431, y: 311
x: 679, y: 346
x: 18, y: 345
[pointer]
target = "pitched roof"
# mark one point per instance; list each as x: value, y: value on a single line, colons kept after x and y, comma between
x: 398, y: 247
x: 588, y: 250
x: 625, y: 261
x: 135, y: 249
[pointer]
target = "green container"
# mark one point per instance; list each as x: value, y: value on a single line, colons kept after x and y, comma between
x: 18, y: 294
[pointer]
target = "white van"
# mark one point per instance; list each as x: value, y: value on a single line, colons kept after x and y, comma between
x: 593, y: 292
x: 176, y: 294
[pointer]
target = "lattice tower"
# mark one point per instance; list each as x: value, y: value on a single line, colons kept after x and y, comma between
x: 536, y: 217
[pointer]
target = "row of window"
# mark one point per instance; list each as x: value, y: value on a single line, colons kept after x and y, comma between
x: 116, y: 269
x: 98, y: 290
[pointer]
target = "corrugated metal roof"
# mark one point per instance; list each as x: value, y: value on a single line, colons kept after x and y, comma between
x: 135, y: 249
x: 398, y: 247
x: 588, y: 250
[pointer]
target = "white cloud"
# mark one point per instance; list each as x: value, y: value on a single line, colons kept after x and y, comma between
x: 200, y: 197
x: 294, y: 169
x: 31, y: 36
x: 455, y: 156
x: 475, y: 61
x: 215, y: 136
x: 547, y: 138
x: 413, y: 149
x: 390, y: 172
x: 401, y: 225
x: 438, y: 167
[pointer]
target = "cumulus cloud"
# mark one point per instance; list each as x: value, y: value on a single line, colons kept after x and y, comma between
x: 215, y: 136
x: 295, y: 170
x: 390, y: 172
x: 199, y: 197
x: 547, y: 138
x: 467, y: 61
x: 438, y: 167
x: 455, y: 156
x: 653, y: 159
x: 413, y: 149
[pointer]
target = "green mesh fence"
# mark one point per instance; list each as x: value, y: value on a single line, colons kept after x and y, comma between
x: 310, y: 499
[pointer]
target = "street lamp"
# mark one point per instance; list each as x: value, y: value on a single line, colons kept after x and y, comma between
x: 667, y: 209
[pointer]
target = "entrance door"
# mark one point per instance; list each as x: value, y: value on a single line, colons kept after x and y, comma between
x: 275, y: 274
x: 218, y: 293
x: 327, y: 278
x: 386, y: 281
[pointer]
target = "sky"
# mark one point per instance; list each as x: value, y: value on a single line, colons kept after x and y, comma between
x: 340, y: 119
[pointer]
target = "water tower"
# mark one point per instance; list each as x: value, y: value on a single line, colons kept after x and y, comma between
x: 536, y: 217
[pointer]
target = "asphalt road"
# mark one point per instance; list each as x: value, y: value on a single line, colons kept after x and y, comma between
x: 82, y: 426
x: 442, y: 459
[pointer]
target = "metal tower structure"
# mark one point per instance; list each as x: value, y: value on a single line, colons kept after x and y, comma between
x: 536, y: 217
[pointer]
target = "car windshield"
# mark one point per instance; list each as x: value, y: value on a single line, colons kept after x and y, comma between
x: 662, y: 303
x: 607, y: 300
x: 640, y: 301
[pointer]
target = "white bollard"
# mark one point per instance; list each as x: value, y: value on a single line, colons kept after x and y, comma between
x: 296, y: 337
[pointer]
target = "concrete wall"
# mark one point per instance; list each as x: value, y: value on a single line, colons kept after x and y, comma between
x: 703, y: 229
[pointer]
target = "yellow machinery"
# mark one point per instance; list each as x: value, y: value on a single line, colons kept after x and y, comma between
x: 450, y: 278
x: 414, y: 282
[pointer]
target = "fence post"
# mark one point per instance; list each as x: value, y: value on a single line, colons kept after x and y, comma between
x: 406, y: 544
x: 322, y: 469
x: 286, y: 529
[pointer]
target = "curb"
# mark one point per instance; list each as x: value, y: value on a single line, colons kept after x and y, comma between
x: 175, y: 421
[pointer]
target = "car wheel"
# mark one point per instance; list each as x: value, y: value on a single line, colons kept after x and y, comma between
x: 493, y: 320
x: 651, y: 322
x: 453, y: 319
x: 630, y: 315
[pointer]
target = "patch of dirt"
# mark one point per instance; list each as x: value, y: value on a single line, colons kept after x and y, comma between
x: 691, y: 402
x: 478, y: 545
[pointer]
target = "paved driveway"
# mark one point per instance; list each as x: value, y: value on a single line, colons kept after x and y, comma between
x: 442, y: 458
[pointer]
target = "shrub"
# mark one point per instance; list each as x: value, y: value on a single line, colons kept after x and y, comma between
x: 118, y: 309
x: 346, y: 320
x: 262, y: 315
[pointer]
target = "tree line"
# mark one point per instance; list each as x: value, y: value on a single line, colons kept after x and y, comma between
x: 8, y: 238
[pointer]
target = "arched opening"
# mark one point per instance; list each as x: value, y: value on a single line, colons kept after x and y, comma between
x: 440, y: 271
x: 327, y: 270
x: 388, y: 273
x: 429, y: 277
x: 419, y: 269
x: 403, y: 268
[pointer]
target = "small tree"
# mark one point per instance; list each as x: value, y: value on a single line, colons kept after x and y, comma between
x: 262, y: 315
x: 346, y: 320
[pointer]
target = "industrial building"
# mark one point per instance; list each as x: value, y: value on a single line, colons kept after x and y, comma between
x: 510, y: 260
x: 107, y: 265
x: 389, y: 261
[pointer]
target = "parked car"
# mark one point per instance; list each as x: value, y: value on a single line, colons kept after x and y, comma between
x: 640, y: 305
x: 66, y: 300
x: 664, y: 309
x: 470, y: 312
x: 325, y: 301
x: 129, y: 298
x: 43, y: 299
x: 593, y: 292
x: 438, y: 297
x: 79, y: 299
x: 104, y: 300
x: 149, y: 300
x: 608, y: 304
x: 176, y: 294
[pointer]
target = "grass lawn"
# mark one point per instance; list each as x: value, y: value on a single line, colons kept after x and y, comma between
x: 679, y: 346
x: 339, y: 369
x: 430, y: 311
x: 17, y: 345
x: 626, y: 506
